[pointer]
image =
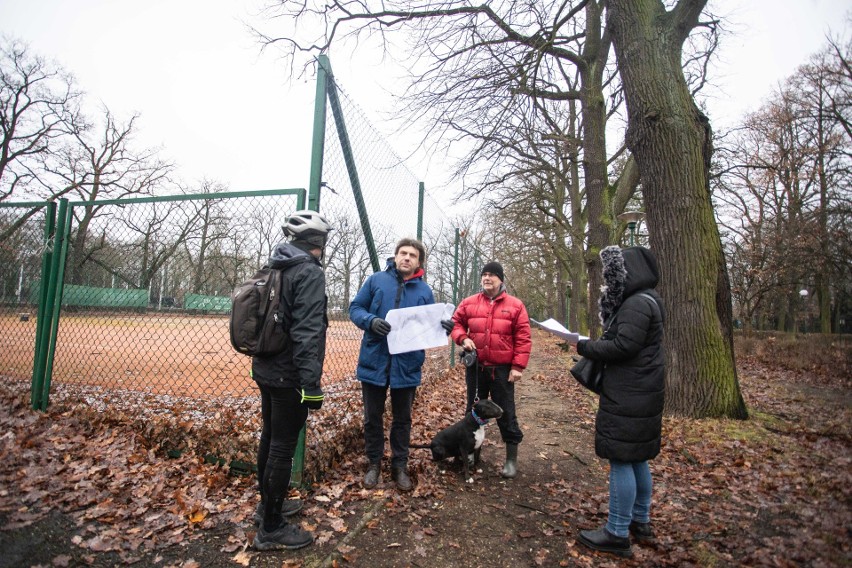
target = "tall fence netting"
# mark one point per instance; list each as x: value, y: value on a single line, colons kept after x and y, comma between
x: 142, y: 328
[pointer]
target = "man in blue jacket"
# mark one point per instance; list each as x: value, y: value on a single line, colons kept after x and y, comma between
x: 400, y: 285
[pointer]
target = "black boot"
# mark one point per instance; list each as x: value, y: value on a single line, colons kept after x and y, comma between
x: 510, y: 468
x: 400, y: 477
x: 604, y: 541
x: 373, y: 476
x: 289, y: 508
x: 285, y: 536
x: 641, y: 531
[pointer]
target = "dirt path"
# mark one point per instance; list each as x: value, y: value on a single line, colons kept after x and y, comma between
x: 528, y: 521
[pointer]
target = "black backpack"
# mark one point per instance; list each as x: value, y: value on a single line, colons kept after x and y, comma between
x: 260, y: 314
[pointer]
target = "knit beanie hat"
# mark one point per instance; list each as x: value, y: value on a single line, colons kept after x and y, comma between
x: 495, y: 269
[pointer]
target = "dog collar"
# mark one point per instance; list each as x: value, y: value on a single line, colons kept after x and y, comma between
x: 479, y: 420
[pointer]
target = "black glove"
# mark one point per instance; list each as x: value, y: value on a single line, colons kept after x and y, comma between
x: 312, y: 397
x: 380, y: 327
x: 448, y: 325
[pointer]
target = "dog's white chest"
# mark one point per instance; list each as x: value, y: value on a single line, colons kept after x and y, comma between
x: 478, y: 437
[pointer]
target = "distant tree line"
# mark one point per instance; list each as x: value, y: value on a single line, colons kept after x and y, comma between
x: 784, y: 197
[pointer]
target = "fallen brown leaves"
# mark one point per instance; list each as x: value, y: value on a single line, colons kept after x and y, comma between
x: 771, y: 491
x: 125, y: 496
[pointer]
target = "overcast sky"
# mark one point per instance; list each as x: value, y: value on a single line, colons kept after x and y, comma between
x: 224, y: 111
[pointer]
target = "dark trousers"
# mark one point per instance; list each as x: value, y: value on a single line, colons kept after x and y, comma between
x: 374, y: 429
x: 283, y: 417
x: 494, y: 382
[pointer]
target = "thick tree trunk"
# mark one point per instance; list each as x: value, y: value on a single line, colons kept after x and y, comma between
x: 670, y: 140
x: 595, y: 171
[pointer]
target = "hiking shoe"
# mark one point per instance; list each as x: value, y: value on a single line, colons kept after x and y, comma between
x: 641, y: 531
x: 288, y: 509
x: 400, y: 477
x: 286, y: 536
x: 604, y: 541
x: 373, y: 475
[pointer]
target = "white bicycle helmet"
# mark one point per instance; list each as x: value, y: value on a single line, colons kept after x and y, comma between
x: 307, y: 225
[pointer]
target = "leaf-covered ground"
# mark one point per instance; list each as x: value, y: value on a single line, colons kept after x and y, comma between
x: 79, y: 487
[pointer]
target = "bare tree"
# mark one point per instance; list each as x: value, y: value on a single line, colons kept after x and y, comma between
x: 672, y: 142
x: 346, y: 262
x: 101, y: 164
x: 521, y: 49
x: 839, y: 83
x: 38, y: 104
x: 526, y: 88
x: 213, y: 225
x: 159, y: 230
x: 825, y: 90
x: 785, y: 196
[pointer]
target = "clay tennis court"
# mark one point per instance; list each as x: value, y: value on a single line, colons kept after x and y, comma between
x: 157, y: 353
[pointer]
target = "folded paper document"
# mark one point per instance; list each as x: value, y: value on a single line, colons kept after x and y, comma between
x: 559, y: 330
x: 418, y: 327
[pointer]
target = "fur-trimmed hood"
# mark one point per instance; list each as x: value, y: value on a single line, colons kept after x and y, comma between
x: 625, y: 272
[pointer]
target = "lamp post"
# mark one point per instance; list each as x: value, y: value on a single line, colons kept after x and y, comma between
x: 631, y: 218
x: 804, y: 295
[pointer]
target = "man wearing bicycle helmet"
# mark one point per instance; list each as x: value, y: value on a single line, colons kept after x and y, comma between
x: 289, y: 382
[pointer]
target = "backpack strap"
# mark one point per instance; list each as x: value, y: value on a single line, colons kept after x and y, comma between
x: 284, y: 301
x: 653, y: 301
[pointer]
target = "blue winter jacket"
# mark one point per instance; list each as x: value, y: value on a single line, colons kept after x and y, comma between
x: 382, y: 292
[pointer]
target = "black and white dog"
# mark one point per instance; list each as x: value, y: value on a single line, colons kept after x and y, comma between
x: 464, y: 438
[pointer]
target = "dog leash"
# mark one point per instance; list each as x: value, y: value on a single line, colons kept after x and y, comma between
x: 476, y: 387
x: 476, y: 380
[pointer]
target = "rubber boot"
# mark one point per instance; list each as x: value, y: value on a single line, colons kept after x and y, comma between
x: 373, y: 476
x: 510, y: 468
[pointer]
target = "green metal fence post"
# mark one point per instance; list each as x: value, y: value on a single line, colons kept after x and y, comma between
x: 42, y: 321
x: 297, y: 471
x: 455, y: 292
x: 420, y: 194
x: 314, y: 188
x: 318, y: 144
x: 352, y: 170
x: 60, y: 254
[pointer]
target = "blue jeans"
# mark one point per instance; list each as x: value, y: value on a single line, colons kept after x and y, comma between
x: 630, y: 489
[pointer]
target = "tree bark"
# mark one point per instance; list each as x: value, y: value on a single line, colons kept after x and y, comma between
x: 594, y: 155
x: 670, y: 139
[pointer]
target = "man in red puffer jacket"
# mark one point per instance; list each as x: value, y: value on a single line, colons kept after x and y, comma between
x: 497, y: 326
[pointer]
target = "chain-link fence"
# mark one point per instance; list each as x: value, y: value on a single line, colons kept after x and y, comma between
x: 22, y: 252
x: 371, y: 197
x: 124, y: 304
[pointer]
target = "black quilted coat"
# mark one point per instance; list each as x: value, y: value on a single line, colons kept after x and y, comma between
x: 300, y: 364
x: 629, y: 419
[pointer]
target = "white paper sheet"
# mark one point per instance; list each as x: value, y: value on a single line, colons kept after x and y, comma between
x: 418, y: 327
x: 559, y: 330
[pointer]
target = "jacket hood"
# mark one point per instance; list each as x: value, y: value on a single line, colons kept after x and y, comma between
x: 285, y: 255
x: 501, y: 290
x: 625, y: 272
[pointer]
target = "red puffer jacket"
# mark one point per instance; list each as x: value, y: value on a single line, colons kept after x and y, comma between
x: 500, y: 328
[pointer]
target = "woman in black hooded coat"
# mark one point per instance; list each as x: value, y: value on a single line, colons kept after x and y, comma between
x: 629, y: 419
